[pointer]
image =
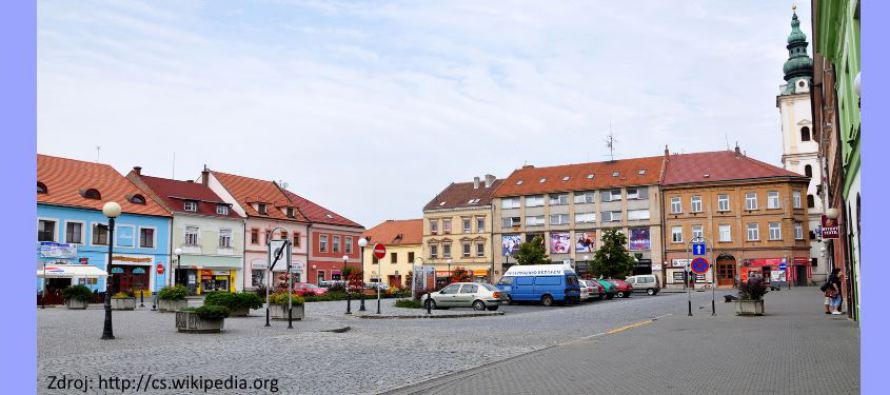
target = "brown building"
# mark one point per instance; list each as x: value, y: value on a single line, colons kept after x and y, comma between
x: 754, y: 216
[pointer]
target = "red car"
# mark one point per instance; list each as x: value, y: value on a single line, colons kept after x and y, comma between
x: 624, y: 289
x: 307, y: 289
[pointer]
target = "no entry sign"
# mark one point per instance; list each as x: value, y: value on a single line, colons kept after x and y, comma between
x: 379, y: 251
x: 700, y: 265
x: 160, y: 268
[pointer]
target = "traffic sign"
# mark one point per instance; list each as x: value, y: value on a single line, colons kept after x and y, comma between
x: 699, y: 249
x: 160, y: 268
x: 700, y: 265
x: 783, y: 266
x: 379, y: 251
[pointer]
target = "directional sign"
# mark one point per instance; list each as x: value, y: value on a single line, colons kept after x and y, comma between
x: 700, y: 266
x: 783, y: 266
x: 379, y: 251
x: 699, y: 249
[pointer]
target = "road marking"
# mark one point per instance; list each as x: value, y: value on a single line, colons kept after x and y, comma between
x: 616, y: 330
x: 631, y: 326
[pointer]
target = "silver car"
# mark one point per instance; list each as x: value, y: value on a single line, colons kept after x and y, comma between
x: 647, y: 283
x: 479, y: 296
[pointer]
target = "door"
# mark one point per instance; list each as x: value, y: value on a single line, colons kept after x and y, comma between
x: 447, y: 295
x: 522, y: 288
x: 800, y: 275
x: 54, y: 287
x: 466, y: 295
x: 726, y: 273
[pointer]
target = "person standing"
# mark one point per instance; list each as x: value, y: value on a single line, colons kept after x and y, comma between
x: 833, y: 296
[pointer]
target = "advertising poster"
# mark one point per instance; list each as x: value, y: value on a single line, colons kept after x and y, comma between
x: 639, y: 239
x: 584, y: 242
x: 510, y: 244
x: 50, y: 249
x: 560, y: 243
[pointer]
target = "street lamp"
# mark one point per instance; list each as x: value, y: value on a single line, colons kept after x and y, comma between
x: 111, y: 210
x: 361, y: 244
x: 346, y: 285
x: 449, y: 270
x: 178, y: 252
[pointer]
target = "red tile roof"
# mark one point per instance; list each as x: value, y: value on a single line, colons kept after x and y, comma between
x: 719, y: 166
x: 459, y: 195
x: 66, y: 179
x: 318, y: 214
x: 575, y: 177
x: 174, y: 193
x: 396, y: 232
x: 247, y: 190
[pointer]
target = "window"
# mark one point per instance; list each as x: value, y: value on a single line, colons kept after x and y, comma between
x: 811, y: 201
x: 805, y: 134
x: 753, y: 232
x: 808, y: 171
x: 282, y: 235
x: 347, y: 245
x: 469, y: 289
x: 558, y: 200
x: 190, y: 205
x: 289, y: 212
x: 222, y: 209
x: 92, y: 194
x: 559, y: 219
x: 723, y: 202
x: 633, y: 193
x: 466, y: 225
x: 473, y: 201
x: 100, y: 234
x: 795, y: 199
x: 676, y: 205
x: 41, y: 187
x: 268, y: 235
x: 725, y: 233
x: 509, y: 203
x: 636, y: 215
x: 297, y: 241
x: 374, y: 259
x: 510, y: 222
x: 798, y: 231
x: 446, y: 226
x: 146, y: 237
x: 74, y: 232
x: 434, y: 226
x: 137, y: 199
x: 335, y: 243
x: 411, y: 257
x: 393, y: 257
x: 772, y: 199
x: 46, y: 230
x: 191, y: 235
x: 584, y: 197
x: 697, y: 231
x: 534, y: 201
x: 696, y: 204
x: 466, y: 250
x: 775, y: 231
x: 434, y: 251
x: 585, y: 218
x: 261, y: 208
x: 480, y: 225
x: 225, y: 238
x: 446, y: 250
x: 566, y: 178
x: 537, y: 220
x: 677, y: 234
x: 323, y: 243
x: 615, y: 174
x: 480, y: 250
x: 542, y: 180
x: 254, y: 236
x: 612, y: 216
x: 612, y: 195
x: 751, y: 201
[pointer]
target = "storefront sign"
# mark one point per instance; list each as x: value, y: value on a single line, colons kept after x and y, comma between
x: 639, y: 239
x: 830, y: 228
x: 50, y: 249
x: 680, y: 262
x: 131, y: 260
x: 656, y: 267
x: 679, y: 276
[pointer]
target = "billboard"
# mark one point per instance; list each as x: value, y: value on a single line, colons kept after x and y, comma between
x: 560, y: 243
x: 584, y: 242
x: 50, y: 249
x: 510, y: 244
x: 639, y: 239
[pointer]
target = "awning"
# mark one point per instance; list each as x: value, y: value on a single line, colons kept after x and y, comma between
x: 69, y: 271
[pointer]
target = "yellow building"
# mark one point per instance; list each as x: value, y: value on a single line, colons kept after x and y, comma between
x: 457, y: 229
x: 402, y: 239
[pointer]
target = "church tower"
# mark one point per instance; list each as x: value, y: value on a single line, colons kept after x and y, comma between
x: 800, y: 146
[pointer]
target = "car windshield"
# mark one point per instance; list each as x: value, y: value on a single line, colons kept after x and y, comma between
x: 489, y: 287
x: 506, y: 281
x: 572, y: 280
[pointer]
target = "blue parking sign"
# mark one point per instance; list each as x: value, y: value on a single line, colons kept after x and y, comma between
x: 699, y: 249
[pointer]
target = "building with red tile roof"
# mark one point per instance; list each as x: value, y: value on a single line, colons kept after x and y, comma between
x: 402, y: 239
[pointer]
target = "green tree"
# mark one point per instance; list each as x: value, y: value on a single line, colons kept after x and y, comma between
x: 612, y: 259
x: 533, y: 253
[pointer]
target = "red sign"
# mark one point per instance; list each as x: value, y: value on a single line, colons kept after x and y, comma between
x: 379, y: 251
x: 699, y: 265
x: 830, y: 228
x: 160, y: 268
x: 84, y: 261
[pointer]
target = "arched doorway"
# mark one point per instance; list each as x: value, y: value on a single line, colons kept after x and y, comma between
x: 726, y: 269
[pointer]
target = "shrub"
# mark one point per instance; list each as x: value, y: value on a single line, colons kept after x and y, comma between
x: 753, y: 289
x: 338, y: 287
x: 80, y: 293
x: 249, y: 300
x: 226, y: 299
x: 409, y: 304
x: 176, y: 292
x: 121, y: 295
x: 280, y: 298
x: 212, y: 312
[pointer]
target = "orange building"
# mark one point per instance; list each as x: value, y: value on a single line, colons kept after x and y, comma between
x: 753, y: 214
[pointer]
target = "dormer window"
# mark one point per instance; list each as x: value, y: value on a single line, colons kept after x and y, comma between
x: 519, y: 182
x: 329, y: 216
x: 543, y: 180
x: 190, y: 206
x: 92, y: 193
x: 615, y: 174
x: 261, y: 208
x: 590, y: 176
x: 137, y: 199
x: 41, y: 188
x: 566, y: 178
x: 222, y: 209
x: 290, y: 212
x: 442, y: 203
x: 642, y: 172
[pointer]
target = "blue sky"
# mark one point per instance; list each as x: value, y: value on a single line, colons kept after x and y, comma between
x: 372, y: 108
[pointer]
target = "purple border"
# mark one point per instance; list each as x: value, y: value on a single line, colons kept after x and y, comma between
x: 18, y: 100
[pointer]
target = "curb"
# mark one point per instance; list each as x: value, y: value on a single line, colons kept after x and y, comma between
x: 424, y: 316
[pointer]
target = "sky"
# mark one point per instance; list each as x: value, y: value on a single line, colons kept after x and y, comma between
x: 373, y: 108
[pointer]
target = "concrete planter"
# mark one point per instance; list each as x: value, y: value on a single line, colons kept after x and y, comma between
x: 74, y: 304
x: 123, y: 303
x: 240, y: 312
x: 190, y: 322
x: 749, y: 307
x: 172, y: 305
x: 279, y: 312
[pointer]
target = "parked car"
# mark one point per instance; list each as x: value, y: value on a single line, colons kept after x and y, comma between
x: 307, y: 289
x: 589, y: 290
x: 624, y: 290
x: 541, y: 283
x: 600, y: 290
x: 647, y: 283
x: 610, y: 289
x: 479, y: 296
x: 584, y: 290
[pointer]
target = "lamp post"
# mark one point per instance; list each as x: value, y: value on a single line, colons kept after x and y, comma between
x: 346, y: 285
x: 177, y: 273
x: 361, y: 244
x: 449, y: 271
x: 111, y: 210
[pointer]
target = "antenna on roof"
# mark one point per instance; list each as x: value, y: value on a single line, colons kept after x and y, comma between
x: 726, y: 136
x: 610, y: 142
x: 98, y: 149
x: 283, y: 184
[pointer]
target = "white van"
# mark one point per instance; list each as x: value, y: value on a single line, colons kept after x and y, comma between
x: 647, y: 283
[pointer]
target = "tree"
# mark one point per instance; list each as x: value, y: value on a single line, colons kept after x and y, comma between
x: 612, y: 259
x: 533, y: 253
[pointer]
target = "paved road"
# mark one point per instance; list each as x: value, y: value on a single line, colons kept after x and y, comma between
x: 795, y: 349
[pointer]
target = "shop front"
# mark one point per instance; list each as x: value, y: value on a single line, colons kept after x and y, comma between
x: 131, y: 273
x: 201, y: 273
x: 777, y: 271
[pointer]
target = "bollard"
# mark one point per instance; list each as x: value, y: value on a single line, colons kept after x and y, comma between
x: 429, y: 303
x: 141, y: 299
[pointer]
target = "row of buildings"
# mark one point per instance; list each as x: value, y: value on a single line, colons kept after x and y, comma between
x: 207, y: 234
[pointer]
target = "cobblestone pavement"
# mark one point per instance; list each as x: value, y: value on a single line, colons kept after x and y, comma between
x: 795, y: 349
x: 373, y: 356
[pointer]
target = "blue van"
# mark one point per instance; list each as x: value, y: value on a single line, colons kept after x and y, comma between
x: 541, y: 283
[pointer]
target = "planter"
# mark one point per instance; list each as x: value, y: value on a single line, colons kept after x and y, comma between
x: 749, y: 307
x: 240, y: 312
x: 191, y: 322
x: 123, y: 303
x: 279, y: 312
x: 172, y: 305
x: 74, y: 304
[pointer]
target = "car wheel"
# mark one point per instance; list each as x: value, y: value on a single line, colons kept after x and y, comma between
x: 509, y: 300
x: 493, y: 308
x: 650, y: 292
x: 430, y: 304
x: 547, y: 300
x: 478, y: 305
x: 619, y: 294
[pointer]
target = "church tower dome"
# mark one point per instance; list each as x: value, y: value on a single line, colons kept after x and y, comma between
x: 799, y: 65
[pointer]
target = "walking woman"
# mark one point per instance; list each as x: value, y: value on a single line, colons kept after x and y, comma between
x: 833, y: 296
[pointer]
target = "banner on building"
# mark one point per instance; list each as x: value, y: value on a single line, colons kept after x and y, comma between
x: 424, y: 278
x: 510, y: 244
x: 830, y: 228
x: 560, y: 243
x: 680, y: 262
x: 639, y: 239
x: 585, y: 242
x: 50, y: 249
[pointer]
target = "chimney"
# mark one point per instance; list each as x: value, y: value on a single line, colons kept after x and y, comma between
x: 489, y: 180
x: 475, y: 182
x: 205, y: 175
x: 137, y: 170
x: 667, y: 152
x: 528, y: 166
x: 738, y: 151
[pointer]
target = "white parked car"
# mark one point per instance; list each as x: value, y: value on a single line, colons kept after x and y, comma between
x: 592, y: 290
x: 479, y: 296
x: 585, y: 290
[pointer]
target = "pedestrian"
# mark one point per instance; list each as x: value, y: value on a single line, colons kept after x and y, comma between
x: 832, y: 289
